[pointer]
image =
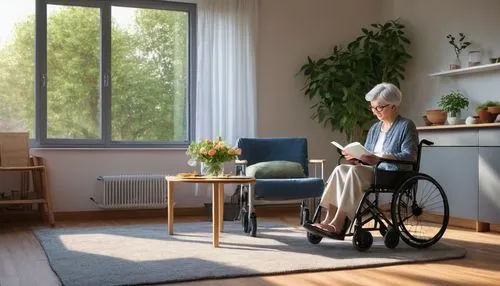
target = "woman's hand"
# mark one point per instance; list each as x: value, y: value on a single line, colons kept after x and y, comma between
x: 349, y: 159
x: 369, y: 159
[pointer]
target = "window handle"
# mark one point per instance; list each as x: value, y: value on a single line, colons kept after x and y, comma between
x: 44, y: 80
x: 106, y: 80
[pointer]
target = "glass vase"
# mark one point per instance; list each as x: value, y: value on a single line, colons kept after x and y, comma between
x: 456, y: 64
x: 212, y: 169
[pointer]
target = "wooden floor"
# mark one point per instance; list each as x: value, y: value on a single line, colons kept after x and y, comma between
x: 23, y: 262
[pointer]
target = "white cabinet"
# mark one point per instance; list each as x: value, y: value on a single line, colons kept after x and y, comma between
x: 489, y: 184
x: 466, y: 163
x: 455, y: 169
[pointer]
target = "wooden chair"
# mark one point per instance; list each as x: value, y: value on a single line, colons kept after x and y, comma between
x: 14, y: 158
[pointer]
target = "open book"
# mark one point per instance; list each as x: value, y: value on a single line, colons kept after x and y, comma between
x: 355, y: 149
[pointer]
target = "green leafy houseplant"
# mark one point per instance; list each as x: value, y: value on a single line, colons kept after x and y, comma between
x: 453, y: 102
x: 486, y: 104
x: 340, y: 81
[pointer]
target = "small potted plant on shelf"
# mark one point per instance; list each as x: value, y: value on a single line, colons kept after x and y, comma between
x: 487, y: 111
x: 458, y: 47
x: 435, y: 117
x: 453, y: 102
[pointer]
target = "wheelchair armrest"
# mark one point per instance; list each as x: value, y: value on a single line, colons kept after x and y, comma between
x: 240, y: 162
x: 393, y: 161
x: 426, y: 142
x: 317, y: 161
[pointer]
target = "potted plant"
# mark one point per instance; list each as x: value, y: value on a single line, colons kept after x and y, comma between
x: 453, y: 102
x: 487, y: 111
x: 340, y: 81
x: 436, y: 116
x: 458, y: 47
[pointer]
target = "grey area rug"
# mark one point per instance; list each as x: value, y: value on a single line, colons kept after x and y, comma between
x: 146, y: 254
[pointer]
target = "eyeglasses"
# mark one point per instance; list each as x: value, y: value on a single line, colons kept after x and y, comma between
x: 379, y: 108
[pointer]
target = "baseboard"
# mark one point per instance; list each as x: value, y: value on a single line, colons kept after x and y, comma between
x: 126, y: 214
x: 261, y: 210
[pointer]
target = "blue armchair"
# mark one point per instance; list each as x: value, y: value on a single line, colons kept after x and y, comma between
x: 258, y: 150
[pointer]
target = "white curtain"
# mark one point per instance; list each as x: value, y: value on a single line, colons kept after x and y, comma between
x: 226, y: 84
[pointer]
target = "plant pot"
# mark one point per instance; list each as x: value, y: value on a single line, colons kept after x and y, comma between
x: 436, y: 116
x: 426, y: 121
x: 454, y: 119
x: 494, y: 110
x: 485, y: 116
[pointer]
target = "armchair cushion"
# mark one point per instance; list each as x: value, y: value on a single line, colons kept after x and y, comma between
x: 276, y: 170
x: 288, y: 189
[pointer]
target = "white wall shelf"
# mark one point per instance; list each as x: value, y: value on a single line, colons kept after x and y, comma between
x: 476, y: 69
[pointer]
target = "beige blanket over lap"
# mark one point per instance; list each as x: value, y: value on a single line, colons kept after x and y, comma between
x: 345, y: 187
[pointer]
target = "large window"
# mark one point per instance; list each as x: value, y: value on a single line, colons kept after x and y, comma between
x: 107, y: 73
x: 17, y: 66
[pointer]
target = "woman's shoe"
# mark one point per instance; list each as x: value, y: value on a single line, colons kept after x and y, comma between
x: 341, y: 235
x: 338, y: 236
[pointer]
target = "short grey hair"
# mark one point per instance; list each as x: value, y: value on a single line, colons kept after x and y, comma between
x: 388, y: 93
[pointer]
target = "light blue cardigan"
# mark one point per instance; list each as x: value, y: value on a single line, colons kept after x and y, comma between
x: 401, y: 141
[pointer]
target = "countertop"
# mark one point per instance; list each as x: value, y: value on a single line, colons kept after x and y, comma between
x: 458, y: 126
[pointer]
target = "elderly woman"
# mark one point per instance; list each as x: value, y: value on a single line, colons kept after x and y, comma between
x: 393, y: 137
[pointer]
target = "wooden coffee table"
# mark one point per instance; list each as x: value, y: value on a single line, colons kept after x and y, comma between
x: 217, y: 199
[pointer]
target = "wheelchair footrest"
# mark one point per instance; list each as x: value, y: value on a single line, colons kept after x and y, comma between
x: 319, y: 232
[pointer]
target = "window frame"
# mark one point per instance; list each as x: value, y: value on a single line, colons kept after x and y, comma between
x: 105, y: 74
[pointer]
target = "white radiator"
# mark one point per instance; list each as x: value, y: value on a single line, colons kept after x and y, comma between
x: 133, y: 191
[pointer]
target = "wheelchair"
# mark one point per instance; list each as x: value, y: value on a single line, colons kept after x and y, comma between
x: 419, y: 211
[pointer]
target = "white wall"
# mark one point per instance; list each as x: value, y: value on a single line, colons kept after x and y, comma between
x: 428, y: 23
x: 73, y: 173
x: 289, y: 31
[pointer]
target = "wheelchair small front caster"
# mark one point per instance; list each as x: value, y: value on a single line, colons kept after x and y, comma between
x: 304, y: 215
x: 362, y: 239
x: 244, y: 219
x: 314, y: 239
x: 391, y: 238
x: 253, y: 225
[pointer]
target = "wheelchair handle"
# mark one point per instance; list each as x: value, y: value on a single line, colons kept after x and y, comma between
x: 426, y: 142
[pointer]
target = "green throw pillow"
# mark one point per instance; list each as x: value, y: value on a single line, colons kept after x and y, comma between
x: 276, y: 170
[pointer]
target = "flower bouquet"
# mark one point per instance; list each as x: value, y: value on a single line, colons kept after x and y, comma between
x: 212, y: 155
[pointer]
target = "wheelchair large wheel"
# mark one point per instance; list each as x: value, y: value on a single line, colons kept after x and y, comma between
x: 420, y: 211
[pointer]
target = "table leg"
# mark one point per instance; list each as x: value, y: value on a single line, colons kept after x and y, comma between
x: 170, y: 207
x: 215, y: 214
x: 221, y: 207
